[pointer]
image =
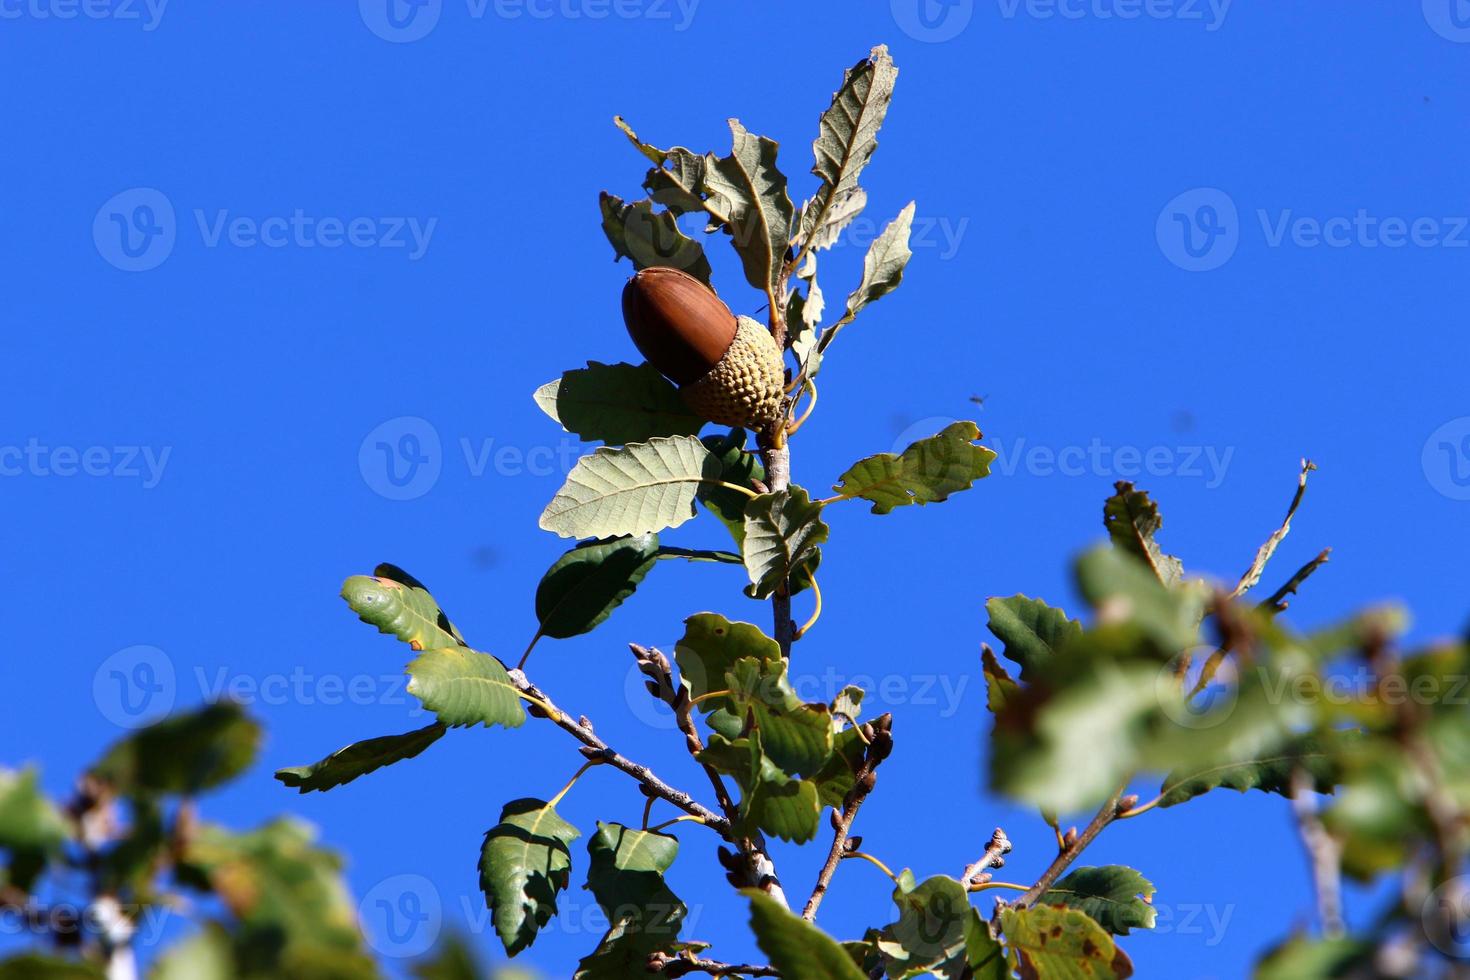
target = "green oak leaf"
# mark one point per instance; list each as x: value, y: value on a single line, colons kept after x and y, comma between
x: 926, y: 472
x: 464, y: 687
x: 1000, y: 688
x: 883, y: 267
x: 617, y: 404
x: 632, y: 489
x: 796, y: 737
x: 796, y: 947
x: 1303, y: 958
x: 651, y: 238
x: 782, y: 533
x: 1319, y: 756
x: 747, y: 196
x: 711, y: 647
x: 583, y: 587
x: 359, y: 759
x: 626, y: 877
x: 1115, y: 897
x: 41, y: 966
x: 524, y: 862
x: 1061, y: 943
x: 399, y: 604
x: 183, y: 754
x: 1122, y: 589
x: 1030, y: 630
x: 932, y: 931
x: 29, y: 821
x: 770, y: 800
x: 845, y: 143
x: 1133, y: 522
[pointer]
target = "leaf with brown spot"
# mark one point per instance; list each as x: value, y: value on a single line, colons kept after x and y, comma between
x: 1050, y: 942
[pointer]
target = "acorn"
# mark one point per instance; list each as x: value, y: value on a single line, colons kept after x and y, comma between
x: 727, y: 367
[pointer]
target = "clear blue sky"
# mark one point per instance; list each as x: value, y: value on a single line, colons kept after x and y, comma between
x: 1046, y: 147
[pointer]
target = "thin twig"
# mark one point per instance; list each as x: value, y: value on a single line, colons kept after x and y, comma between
x: 583, y: 733
x: 678, y: 966
x: 1323, y: 852
x: 1277, y: 601
x: 1106, y: 815
x: 994, y: 858
x: 759, y: 869
x: 880, y: 744
x: 1263, y: 554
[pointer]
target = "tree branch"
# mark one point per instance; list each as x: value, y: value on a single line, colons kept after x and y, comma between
x: 880, y: 743
x: 994, y: 858
x: 678, y: 966
x: 1323, y: 854
x: 581, y: 730
x: 1109, y: 812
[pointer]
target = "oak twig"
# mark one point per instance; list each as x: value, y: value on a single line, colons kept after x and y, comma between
x: 581, y: 730
x: 678, y: 966
x: 1323, y: 853
x: 1277, y: 601
x: 993, y: 859
x: 880, y: 744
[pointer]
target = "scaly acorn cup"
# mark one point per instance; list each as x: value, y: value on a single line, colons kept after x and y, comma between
x: 728, y: 368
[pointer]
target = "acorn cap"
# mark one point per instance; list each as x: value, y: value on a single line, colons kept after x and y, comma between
x: 677, y: 323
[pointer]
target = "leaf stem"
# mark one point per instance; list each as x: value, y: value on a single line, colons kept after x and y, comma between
x: 875, y: 862
x: 521, y: 664
x: 987, y: 885
x: 669, y: 823
x: 811, y: 406
x: 711, y: 694
x: 1138, y: 810
x: 735, y: 486
x: 816, y: 611
x: 570, y: 783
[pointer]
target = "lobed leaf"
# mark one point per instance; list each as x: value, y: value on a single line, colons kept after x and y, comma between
x: 847, y: 137
x: 525, y: 862
x: 1048, y: 941
x: 464, y: 687
x: 927, y: 471
x: 649, y: 238
x: 1115, y: 897
x: 399, y: 604
x: 782, y: 533
x: 1318, y: 756
x: 1133, y: 522
x: 1030, y: 630
x: 747, y: 195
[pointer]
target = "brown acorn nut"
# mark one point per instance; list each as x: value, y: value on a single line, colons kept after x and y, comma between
x: 728, y: 368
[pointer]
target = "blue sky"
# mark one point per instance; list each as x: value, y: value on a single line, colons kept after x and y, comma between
x: 1180, y: 242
